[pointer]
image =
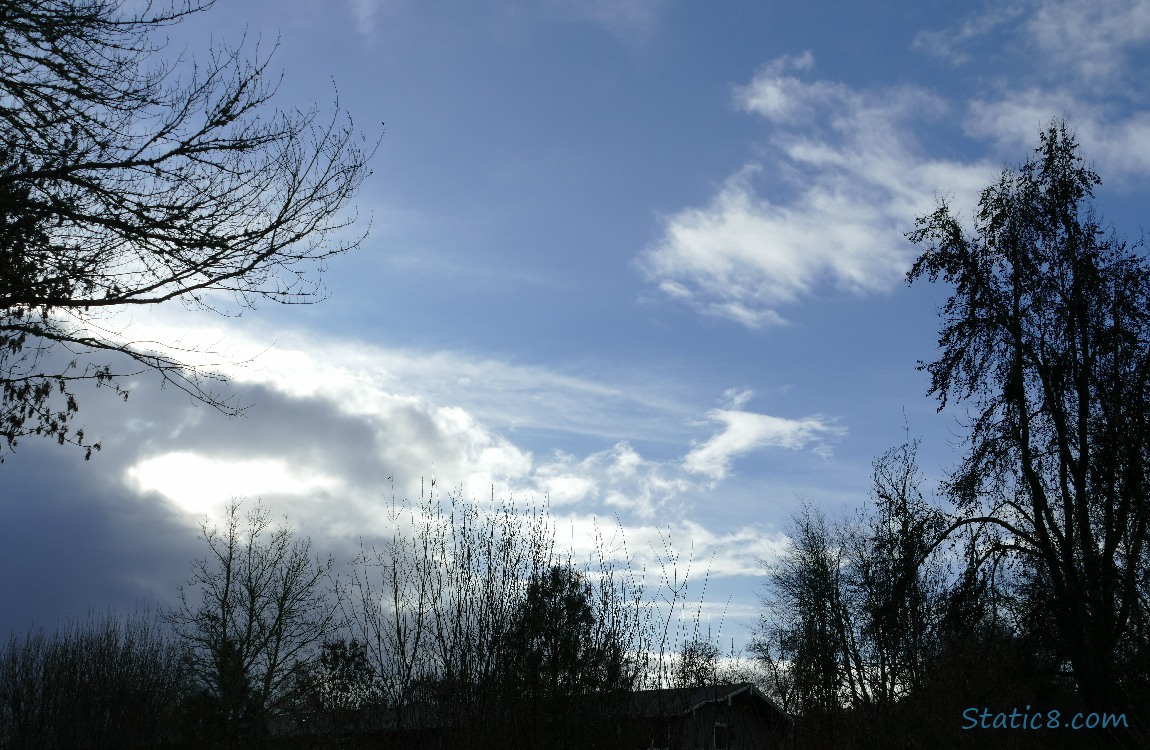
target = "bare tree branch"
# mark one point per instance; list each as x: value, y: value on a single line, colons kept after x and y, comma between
x: 123, y: 184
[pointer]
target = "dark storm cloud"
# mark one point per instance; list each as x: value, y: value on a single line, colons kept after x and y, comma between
x: 77, y: 537
x: 74, y: 541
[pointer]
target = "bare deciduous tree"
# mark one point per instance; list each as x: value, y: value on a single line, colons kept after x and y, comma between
x: 806, y: 625
x: 697, y: 664
x: 893, y: 583
x: 474, y: 621
x: 264, y: 606
x: 123, y: 184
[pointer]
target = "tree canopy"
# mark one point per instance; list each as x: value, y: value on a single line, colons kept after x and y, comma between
x: 558, y: 648
x: 1047, y: 337
x: 129, y: 179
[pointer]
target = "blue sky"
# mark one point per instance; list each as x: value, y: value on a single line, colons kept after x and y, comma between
x: 642, y: 257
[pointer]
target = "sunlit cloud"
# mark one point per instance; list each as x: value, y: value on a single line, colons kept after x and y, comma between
x: 616, y: 480
x: 202, y: 485
x: 745, y: 431
x: 682, y: 549
x: 856, y: 181
x: 337, y: 427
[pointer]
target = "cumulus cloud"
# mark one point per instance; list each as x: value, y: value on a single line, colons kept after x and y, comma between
x: 309, y: 457
x: 340, y: 420
x: 327, y: 459
x: 200, y: 484
x: 617, y: 480
x: 855, y: 181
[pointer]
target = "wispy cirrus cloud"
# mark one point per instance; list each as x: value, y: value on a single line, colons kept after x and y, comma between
x: 1092, y: 38
x: 367, y: 13
x: 364, y: 13
x: 1117, y: 144
x: 953, y: 44
x: 1076, y: 42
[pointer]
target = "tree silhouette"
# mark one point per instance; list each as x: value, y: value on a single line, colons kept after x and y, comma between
x: 109, y: 682
x: 562, y: 660
x: 556, y: 646
x: 262, y: 609
x: 807, y: 619
x: 122, y: 184
x: 1047, y: 337
x: 697, y: 665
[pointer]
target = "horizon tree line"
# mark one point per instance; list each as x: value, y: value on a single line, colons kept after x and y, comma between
x: 470, y: 628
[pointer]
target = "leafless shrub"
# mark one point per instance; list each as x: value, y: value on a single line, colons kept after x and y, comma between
x: 473, y: 619
x: 108, y: 683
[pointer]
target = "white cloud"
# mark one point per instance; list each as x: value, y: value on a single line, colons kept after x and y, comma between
x: 855, y: 182
x: 1078, y: 59
x: 201, y: 485
x: 365, y: 378
x: 1091, y: 37
x: 1086, y: 44
x: 682, y: 547
x: 745, y: 431
x: 738, y: 552
x: 1117, y: 144
x: 1088, y: 66
x: 782, y: 98
x: 949, y: 44
x: 614, y: 480
x: 336, y: 424
x: 338, y: 427
x: 365, y: 12
x: 844, y: 178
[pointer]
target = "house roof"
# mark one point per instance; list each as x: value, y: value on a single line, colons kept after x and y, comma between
x: 685, y: 701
